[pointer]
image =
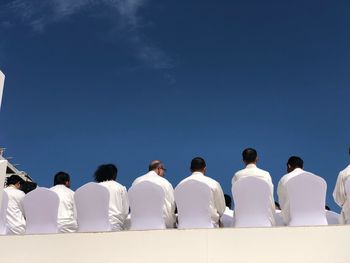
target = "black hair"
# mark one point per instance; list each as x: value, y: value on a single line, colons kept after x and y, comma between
x: 61, y: 178
x: 295, y: 162
x: 106, y: 172
x: 14, y: 179
x: 249, y: 155
x: 228, y: 201
x: 277, y: 206
x: 197, y: 164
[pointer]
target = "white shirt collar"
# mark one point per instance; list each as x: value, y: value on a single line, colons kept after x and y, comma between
x: 298, y: 170
x: 152, y: 173
x: 251, y: 165
x: 198, y: 173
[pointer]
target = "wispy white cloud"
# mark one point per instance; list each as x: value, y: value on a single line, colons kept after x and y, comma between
x: 49, y: 11
x: 39, y: 14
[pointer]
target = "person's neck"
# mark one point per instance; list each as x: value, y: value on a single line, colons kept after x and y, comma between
x: 250, y: 164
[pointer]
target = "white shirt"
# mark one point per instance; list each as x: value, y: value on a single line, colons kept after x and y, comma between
x: 252, y: 170
x: 66, y: 220
x: 339, y: 194
x: 227, y: 217
x: 217, y: 203
x: 16, y: 223
x: 283, y: 195
x: 169, y: 204
x: 118, y: 204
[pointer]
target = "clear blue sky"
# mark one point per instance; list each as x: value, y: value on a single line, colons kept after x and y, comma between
x: 127, y: 81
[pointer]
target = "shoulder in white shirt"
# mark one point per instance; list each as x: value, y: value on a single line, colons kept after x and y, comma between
x: 169, y: 204
x: 16, y: 223
x: 252, y: 170
x: 118, y: 204
x: 66, y: 221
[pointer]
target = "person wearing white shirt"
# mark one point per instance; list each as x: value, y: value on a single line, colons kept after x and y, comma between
x: 295, y: 167
x: 16, y: 224
x: 227, y: 217
x: 67, y: 215
x: 156, y: 175
x: 217, y: 203
x: 250, y: 159
x: 340, y: 196
x: 106, y: 175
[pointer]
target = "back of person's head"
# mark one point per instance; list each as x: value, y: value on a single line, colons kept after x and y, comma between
x: 158, y: 167
x: 277, y: 206
x: 294, y: 162
x: 61, y: 178
x: 13, y: 180
x: 106, y: 172
x: 198, y: 164
x: 154, y: 165
x: 249, y: 155
x: 228, y: 201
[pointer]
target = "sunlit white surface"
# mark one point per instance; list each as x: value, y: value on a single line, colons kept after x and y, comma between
x: 323, y: 244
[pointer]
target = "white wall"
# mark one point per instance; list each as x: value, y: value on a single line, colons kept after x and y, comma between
x: 327, y: 244
x: 2, y: 80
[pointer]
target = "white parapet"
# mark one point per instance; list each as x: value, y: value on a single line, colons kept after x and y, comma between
x: 2, y: 80
x: 325, y: 244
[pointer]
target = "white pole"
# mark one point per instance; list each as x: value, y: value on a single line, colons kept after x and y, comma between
x: 3, y: 163
x: 2, y: 80
x: 3, y: 167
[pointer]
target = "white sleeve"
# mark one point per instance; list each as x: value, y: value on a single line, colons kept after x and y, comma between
x: 219, y: 200
x: 170, y: 206
x: 20, y: 203
x: 339, y: 191
x: 125, y: 202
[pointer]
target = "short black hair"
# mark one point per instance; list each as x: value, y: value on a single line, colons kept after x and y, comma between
x: 106, y: 172
x: 295, y: 162
x: 14, y: 179
x: 61, y: 178
x: 249, y: 155
x: 197, y: 164
x: 277, y: 206
x: 228, y: 201
x: 154, y: 165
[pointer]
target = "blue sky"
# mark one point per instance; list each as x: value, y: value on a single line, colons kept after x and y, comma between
x: 128, y: 81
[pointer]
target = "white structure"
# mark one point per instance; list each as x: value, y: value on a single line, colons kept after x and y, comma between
x: 3, y: 212
x: 2, y: 80
x: 252, y: 207
x: 325, y: 244
x: 146, y: 203
x: 307, y: 197
x: 3, y: 167
x: 41, y: 210
x: 92, y: 203
x: 193, y: 202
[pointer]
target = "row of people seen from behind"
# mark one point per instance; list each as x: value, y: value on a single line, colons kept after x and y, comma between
x: 106, y: 175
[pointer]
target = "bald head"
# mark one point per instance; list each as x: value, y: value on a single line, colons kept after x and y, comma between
x: 157, y: 166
